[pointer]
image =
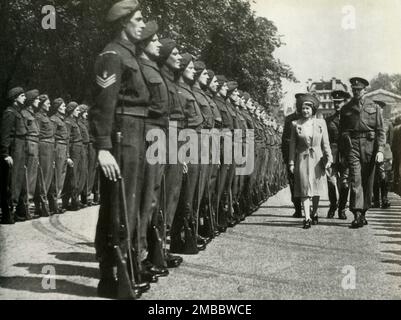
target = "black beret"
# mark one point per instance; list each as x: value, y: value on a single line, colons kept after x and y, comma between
x: 211, y: 76
x: 246, y: 96
x: 185, y: 61
x: 83, y: 108
x: 122, y: 9
x: 42, y: 99
x: 31, y: 95
x: 199, y: 67
x: 14, y: 93
x: 150, y: 30
x: 221, y: 79
x: 167, y: 47
x: 71, y: 106
x: 57, y: 103
x: 359, y: 83
x: 232, y: 85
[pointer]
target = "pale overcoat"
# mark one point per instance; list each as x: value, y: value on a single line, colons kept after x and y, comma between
x: 309, y: 154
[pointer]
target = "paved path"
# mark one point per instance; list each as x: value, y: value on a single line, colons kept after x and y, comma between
x: 268, y: 256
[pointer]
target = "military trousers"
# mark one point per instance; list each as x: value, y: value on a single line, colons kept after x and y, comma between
x: 32, y: 163
x: 111, y: 218
x: 361, y: 161
x: 151, y: 192
x: 71, y: 183
x: 18, y: 182
x: 92, y: 167
x: 59, y: 174
x: 83, y: 174
x: 45, y: 172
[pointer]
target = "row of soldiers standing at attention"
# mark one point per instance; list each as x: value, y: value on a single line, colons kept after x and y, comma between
x: 47, y: 155
x: 365, y: 149
x: 144, y: 85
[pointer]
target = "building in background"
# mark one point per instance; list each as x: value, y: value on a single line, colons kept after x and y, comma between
x: 323, y: 90
x: 392, y: 100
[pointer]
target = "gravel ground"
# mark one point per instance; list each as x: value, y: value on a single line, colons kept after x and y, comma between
x: 268, y: 256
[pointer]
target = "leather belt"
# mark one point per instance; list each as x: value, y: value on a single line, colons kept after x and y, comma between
x: 370, y: 135
x: 133, y: 111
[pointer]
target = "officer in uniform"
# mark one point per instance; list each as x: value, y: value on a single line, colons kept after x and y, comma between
x: 363, y: 140
x: 71, y: 184
x: 383, y: 176
x: 285, y: 145
x: 61, y: 154
x: 335, y: 179
x: 13, y: 153
x: 46, y: 156
x: 93, y: 172
x: 118, y: 118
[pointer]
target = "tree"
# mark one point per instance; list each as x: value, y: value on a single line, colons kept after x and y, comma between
x: 387, y: 82
x: 226, y: 34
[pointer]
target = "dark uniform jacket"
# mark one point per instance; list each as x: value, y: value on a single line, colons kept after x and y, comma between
x: 159, y: 99
x: 176, y: 112
x: 333, y: 129
x: 46, y: 127
x: 83, y: 128
x: 232, y: 111
x: 12, y: 126
x: 32, y: 127
x: 362, y: 119
x: 205, y: 107
x: 190, y: 106
x: 61, y: 133
x: 225, y: 115
x: 286, y: 137
x: 216, y: 113
x: 120, y: 88
x: 73, y: 130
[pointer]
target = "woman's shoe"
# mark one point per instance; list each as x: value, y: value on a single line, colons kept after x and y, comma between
x: 307, y: 223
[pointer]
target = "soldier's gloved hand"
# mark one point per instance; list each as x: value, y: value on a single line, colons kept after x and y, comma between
x: 328, y: 165
x: 9, y: 161
x: 109, y: 165
x: 70, y: 163
x: 379, y: 157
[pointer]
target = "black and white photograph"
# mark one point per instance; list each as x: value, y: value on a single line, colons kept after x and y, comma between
x: 200, y: 150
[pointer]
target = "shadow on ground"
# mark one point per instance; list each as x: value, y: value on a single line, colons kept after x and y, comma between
x: 34, y: 284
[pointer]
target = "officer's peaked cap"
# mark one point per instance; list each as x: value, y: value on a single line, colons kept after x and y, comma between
x: 339, y: 95
x: 360, y: 83
x: 308, y: 97
x: 122, y: 9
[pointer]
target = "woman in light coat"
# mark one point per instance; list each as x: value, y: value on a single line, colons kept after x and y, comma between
x: 309, y: 157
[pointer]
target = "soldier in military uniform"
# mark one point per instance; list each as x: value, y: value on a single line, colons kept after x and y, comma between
x: 32, y: 154
x: 71, y: 185
x: 61, y: 154
x: 118, y: 118
x: 363, y: 140
x: 383, y: 176
x: 13, y: 153
x: 152, y: 244
x: 396, y: 150
x: 285, y: 143
x: 335, y: 178
x: 83, y: 172
x: 169, y: 62
x: 186, y: 214
x: 46, y: 156
x: 221, y: 205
